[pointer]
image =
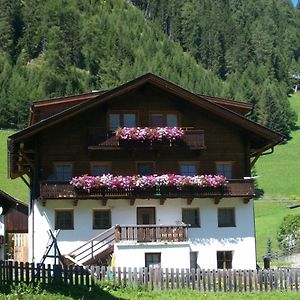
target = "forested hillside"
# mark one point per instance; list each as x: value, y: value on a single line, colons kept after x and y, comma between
x: 236, y: 49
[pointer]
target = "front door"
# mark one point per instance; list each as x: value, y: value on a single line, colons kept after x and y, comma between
x: 145, y: 215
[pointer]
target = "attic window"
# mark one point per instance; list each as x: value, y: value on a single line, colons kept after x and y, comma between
x: 116, y: 120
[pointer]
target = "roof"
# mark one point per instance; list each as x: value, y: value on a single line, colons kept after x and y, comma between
x: 269, y: 137
x: 40, y: 109
x: 7, y: 202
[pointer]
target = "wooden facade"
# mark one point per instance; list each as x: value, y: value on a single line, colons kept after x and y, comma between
x: 80, y: 136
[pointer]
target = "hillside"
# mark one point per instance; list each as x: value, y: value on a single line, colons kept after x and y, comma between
x: 61, y: 47
x: 278, y: 173
x: 17, y: 187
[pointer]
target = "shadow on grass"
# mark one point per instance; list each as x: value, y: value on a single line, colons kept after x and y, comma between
x: 74, y: 292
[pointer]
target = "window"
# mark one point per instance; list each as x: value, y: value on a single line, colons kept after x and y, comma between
x: 226, y: 217
x: 163, y: 120
x: 145, y: 168
x: 63, y: 171
x: 224, y: 168
x: 224, y: 259
x: 102, y: 219
x: 152, y: 260
x: 64, y: 219
x: 191, y: 216
x: 116, y: 120
x: 188, y: 169
x: 99, y: 169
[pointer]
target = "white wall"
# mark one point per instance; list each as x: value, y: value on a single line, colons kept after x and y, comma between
x: 2, y: 247
x: 207, y: 239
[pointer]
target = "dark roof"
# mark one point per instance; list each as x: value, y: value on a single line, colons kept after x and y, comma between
x: 7, y: 202
x: 269, y: 137
x: 41, y: 109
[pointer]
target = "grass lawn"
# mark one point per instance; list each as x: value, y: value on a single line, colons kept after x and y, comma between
x: 70, y: 292
x: 17, y: 187
x: 268, y: 216
x: 279, y: 173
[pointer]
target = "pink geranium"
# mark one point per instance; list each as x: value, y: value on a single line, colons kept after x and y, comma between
x: 111, y: 182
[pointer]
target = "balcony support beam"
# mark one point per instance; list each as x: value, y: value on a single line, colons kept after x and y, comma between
x: 217, y: 200
x: 162, y: 201
x: 132, y: 201
x: 104, y: 201
x: 75, y: 202
x: 189, y: 201
x: 246, y: 200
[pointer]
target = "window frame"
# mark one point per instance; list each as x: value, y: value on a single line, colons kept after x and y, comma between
x: 222, y: 225
x: 110, y: 219
x: 228, y: 162
x: 152, y: 253
x: 164, y: 113
x: 121, y: 113
x: 224, y: 261
x: 63, y: 163
x: 56, y: 225
x: 195, y: 163
x: 198, y: 223
x: 102, y: 163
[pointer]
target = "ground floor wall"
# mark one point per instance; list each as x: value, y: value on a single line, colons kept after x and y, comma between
x: 204, y: 240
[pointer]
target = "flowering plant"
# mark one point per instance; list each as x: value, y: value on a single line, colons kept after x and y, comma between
x: 111, y: 182
x: 147, y: 133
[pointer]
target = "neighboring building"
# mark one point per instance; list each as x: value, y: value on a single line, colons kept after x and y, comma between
x: 72, y: 136
x: 13, y: 228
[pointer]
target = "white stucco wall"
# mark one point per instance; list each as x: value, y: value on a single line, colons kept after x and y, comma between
x: 206, y: 240
x: 2, y: 222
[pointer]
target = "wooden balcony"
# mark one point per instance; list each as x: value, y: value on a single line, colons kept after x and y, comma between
x: 151, y: 233
x: 100, y: 139
x: 61, y: 190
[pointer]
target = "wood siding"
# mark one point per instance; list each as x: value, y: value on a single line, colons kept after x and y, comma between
x: 68, y: 141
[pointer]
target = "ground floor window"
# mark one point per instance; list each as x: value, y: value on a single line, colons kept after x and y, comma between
x: 152, y: 260
x: 224, y: 259
x: 102, y: 219
x: 64, y: 219
x: 191, y: 216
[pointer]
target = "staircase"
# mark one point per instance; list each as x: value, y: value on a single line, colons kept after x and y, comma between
x: 93, y: 251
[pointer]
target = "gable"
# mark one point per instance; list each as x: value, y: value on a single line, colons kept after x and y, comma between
x: 260, y: 138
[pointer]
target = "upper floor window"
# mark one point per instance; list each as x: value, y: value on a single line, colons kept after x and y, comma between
x: 98, y: 169
x: 152, y: 260
x: 226, y: 217
x: 163, y: 120
x: 116, y: 120
x: 63, y: 171
x: 224, y: 168
x: 188, y: 169
x: 145, y: 168
x: 64, y: 219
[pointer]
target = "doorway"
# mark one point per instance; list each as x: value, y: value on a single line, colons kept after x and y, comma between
x: 145, y: 215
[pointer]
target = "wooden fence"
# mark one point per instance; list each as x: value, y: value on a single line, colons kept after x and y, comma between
x: 153, y: 279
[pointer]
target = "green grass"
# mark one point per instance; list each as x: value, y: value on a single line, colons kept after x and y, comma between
x: 17, y: 187
x: 279, y: 173
x: 268, y: 216
x: 115, y: 293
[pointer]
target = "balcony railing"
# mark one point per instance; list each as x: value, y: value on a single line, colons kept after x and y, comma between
x: 151, y: 233
x: 100, y: 139
x: 63, y: 190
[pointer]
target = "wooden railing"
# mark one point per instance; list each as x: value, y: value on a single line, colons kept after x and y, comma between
x: 151, y: 233
x: 101, y: 139
x: 63, y: 190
